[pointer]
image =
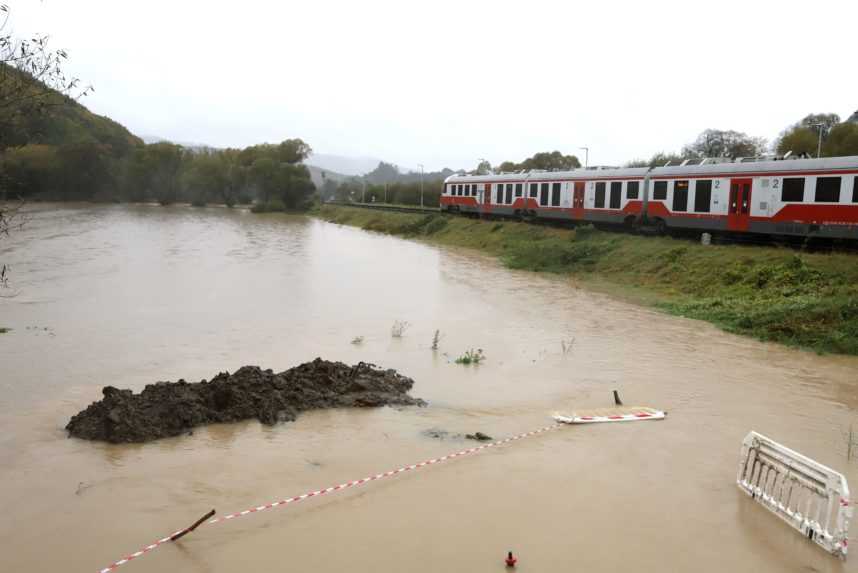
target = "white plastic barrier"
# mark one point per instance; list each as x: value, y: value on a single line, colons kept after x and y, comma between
x: 809, y: 496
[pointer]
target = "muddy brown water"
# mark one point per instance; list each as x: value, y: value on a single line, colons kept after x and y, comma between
x: 129, y: 295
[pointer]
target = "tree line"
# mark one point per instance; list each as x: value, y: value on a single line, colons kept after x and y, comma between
x: 817, y: 134
x: 52, y: 147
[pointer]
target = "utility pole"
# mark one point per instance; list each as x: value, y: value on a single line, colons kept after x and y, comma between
x: 363, y: 193
x: 385, y: 192
x: 421, y: 185
x: 821, y: 127
x: 586, y: 156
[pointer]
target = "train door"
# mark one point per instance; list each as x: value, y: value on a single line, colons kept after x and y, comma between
x: 578, y: 200
x: 739, y: 205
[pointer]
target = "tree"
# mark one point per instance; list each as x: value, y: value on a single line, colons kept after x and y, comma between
x: 84, y: 170
x: 163, y: 162
x: 328, y: 190
x: 724, y: 143
x: 547, y: 161
x: 383, y: 173
x: 816, y: 120
x: 821, y: 133
x: 853, y: 118
x: 207, y: 179
x: 32, y: 80
x: 31, y: 75
x: 483, y: 168
x: 842, y: 140
x: 799, y: 140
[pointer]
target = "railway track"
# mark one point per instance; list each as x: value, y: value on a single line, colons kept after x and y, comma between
x: 811, y: 244
x: 385, y: 207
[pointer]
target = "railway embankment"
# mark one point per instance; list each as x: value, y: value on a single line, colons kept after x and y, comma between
x: 808, y: 300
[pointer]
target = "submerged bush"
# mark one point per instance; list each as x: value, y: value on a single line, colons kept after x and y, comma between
x: 273, y: 206
x: 471, y: 357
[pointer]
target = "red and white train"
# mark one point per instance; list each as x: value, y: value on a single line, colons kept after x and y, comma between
x: 799, y: 197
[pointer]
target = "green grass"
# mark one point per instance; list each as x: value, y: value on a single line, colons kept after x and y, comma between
x: 809, y: 300
x: 4, y: 330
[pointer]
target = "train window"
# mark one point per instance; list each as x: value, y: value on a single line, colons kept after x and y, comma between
x: 616, y: 194
x: 793, y: 189
x: 509, y: 193
x: 499, y: 189
x: 702, y: 195
x: 659, y: 190
x: 855, y: 190
x: 533, y: 190
x: 555, y: 194
x: 543, y: 194
x: 680, y: 195
x: 467, y: 190
x: 827, y: 190
x: 600, y: 195
x: 518, y: 188
x: 632, y: 189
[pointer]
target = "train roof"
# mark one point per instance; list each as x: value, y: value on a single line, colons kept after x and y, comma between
x: 772, y: 165
x: 706, y: 168
x: 541, y: 175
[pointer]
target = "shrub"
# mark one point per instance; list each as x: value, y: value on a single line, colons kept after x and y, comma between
x: 471, y: 357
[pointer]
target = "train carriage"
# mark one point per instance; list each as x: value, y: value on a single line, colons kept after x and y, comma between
x: 807, y: 197
x: 802, y: 197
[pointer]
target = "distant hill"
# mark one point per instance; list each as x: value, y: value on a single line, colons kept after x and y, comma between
x: 67, y: 124
x: 319, y: 175
x: 342, y: 164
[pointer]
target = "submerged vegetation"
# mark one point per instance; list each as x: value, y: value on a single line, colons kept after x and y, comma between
x: 471, y: 357
x: 801, y: 299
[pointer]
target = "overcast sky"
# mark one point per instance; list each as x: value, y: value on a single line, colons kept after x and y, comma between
x: 446, y: 83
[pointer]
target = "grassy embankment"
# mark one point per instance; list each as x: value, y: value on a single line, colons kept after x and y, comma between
x: 808, y: 300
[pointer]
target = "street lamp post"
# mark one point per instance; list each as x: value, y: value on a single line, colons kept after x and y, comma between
x: 421, y: 185
x: 586, y: 156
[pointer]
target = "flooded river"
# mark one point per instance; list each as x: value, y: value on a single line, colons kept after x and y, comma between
x: 130, y: 295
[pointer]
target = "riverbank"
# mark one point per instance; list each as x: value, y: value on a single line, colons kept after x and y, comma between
x: 807, y: 300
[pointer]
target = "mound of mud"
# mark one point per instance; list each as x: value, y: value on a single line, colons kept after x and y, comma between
x: 173, y: 408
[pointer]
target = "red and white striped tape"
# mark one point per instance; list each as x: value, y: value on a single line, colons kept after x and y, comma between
x: 342, y: 486
x: 634, y: 416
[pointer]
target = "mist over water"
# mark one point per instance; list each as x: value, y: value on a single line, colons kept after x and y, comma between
x: 129, y: 295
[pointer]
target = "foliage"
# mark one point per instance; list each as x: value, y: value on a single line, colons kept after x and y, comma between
x: 394, y: 193
x: 273, y: 206
x: 389, y: 173
x: 483, y: 168
x: 838, y: 139
x: 724, y: 143
x: 548, y: 161
x: 800, y: 140
x: 808, y: 300
x: 357, y: 340
x: 471, y: 357
x: 32, y: 82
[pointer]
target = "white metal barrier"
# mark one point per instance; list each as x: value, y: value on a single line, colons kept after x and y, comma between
x: 809, y: 496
